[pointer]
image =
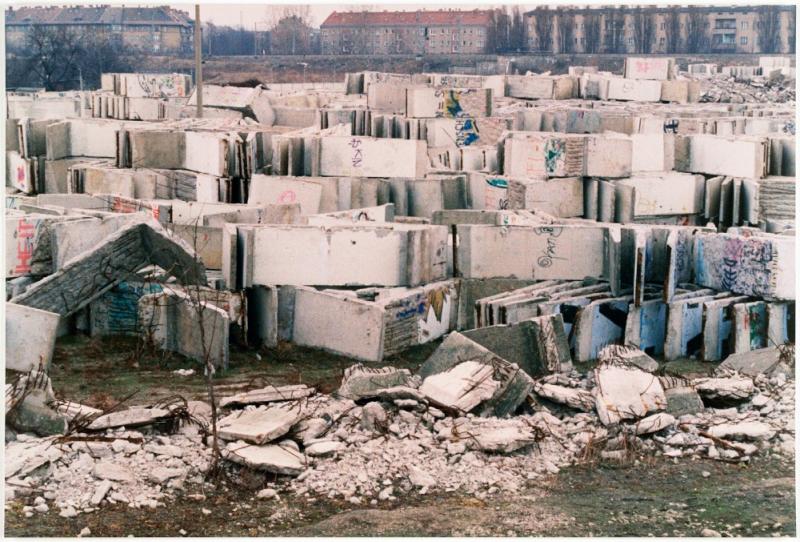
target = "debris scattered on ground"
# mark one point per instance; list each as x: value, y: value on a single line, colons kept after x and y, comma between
x: 327, y: 446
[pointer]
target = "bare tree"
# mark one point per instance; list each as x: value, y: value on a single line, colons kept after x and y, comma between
x: 61, y: 59
x: 543, y: 26
x: 53, y: 56
x: 499, y: 35
x: 593, y: 32
x: 644, y: 30
x: 769, y: 29
x: 673, y: 30
x: 291, y: 29
x: 565, y: 23
x: 696, y: 35
x: 517, y: 31
x: 615, y: 30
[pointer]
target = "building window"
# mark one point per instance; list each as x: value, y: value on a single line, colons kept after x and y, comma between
x: 743, y: 41
x: 744, y: 25
x: 630, y: 41
x: 662, y: 41
x: 663, y: 26
x: 725, y: 24
x: 724, y: 39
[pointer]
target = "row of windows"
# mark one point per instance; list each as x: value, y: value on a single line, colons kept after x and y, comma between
x: 463, y: 43
x: 719, y: 24
x: 725, y: 39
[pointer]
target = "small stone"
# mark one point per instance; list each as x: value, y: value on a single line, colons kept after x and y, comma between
x: 161, y: 474
x: 706, y: 474
x: 420, y: 478
x: 385, y: 493
x: 205, y: 511
x: 710, y: 533
x: 373, y: 416
x: 85, y: 532
x: 68, y: 512
x: 324, y: 447
x: 267, y: 493
x: 100, y: 492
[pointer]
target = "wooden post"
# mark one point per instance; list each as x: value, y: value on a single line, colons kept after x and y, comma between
x: 198, y: 60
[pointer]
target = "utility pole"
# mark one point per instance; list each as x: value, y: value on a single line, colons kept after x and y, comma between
x: 198, y: 64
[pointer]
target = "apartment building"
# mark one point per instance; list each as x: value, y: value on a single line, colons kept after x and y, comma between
x: 669, y: 29
x: 149, y: 29
x: 406, y: 32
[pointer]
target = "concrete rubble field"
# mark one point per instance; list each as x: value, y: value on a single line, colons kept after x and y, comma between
x: 403, y: 293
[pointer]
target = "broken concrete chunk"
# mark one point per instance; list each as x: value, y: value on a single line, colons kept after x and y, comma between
x: 310, y: 429
x: 654, y: 423
x: 752, y: 363
x: 572, y: 397
x: 683, y: 400
x: 324, y: 447
x: 502, y: 439
x: 398, y: 393
x: 628, y: 355
x: 419, y: 477
x: 24, y: 457
x: 161, y: 474
x: 259, y: 425
x: 494, y: 435
x: 105, y: 470
x: 626, y: 394
x: 742, y: 431
x: 360, y: 382
x: 270, y: 458
x: 268, y: 395
x: 373, y: 417
x: 461, y: 388
x: 515, y: 384
x: 100, y: 492
x: 73, y: 410
x: 164, y: 449
x: 29, y: 406
x: 132, y: 417
x: 723, y: 391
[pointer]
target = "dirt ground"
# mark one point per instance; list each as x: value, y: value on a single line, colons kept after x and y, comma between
x: 655, y: 497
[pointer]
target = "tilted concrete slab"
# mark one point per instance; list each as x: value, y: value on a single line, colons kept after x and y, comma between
x: 91, y: 273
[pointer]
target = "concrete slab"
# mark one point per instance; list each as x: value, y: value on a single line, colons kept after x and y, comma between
x: 258, y: 425
x: 30, y: 337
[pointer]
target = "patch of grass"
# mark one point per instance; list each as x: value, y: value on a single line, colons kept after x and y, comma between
x: 98, y: 371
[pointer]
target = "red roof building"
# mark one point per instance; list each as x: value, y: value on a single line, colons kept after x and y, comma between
x: 406, y: 32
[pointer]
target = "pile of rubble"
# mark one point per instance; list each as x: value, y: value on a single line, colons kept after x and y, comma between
x: 386, y: 432
x: 727, y: 89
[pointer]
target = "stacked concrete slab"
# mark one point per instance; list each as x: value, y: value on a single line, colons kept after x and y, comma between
x: 542, y: 217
